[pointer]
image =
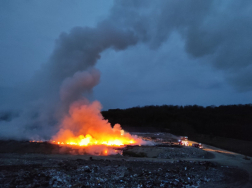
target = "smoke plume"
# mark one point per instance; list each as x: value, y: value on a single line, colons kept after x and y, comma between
x: 218, y: 30
x: 67, y: 76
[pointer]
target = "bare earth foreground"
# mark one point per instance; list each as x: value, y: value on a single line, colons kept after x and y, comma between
x: 25, y: 164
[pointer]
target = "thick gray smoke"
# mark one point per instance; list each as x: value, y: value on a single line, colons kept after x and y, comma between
x: 218, y: 30
x: 68, y: 76
x: 81, y: 83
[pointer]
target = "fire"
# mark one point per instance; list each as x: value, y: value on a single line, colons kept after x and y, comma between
x: 85, y: 127
x: 88, y: 140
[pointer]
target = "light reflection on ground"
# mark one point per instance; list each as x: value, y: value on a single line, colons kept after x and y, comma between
x: 220, y: 151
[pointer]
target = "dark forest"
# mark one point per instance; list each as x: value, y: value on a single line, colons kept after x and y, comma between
x: 231, y: 121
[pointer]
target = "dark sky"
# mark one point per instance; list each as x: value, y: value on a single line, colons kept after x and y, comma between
x: 180, y: 52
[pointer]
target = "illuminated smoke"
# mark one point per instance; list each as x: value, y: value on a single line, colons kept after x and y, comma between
x: 85, y: 126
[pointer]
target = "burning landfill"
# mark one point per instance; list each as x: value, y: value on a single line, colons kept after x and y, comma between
x: 56, y: 103
x: 57, y: 107
x: 85, y: 130
x: 64, y: 113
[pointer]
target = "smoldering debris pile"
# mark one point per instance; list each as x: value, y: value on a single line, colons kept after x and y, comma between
x: 58, y: 172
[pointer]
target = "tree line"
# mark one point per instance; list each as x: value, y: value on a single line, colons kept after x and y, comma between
x: 231, y: 121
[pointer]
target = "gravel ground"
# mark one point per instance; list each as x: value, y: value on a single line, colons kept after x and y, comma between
x: 183, y: 152
x: 25, y: 164
x: 168, y: 152
x: 40, y: 171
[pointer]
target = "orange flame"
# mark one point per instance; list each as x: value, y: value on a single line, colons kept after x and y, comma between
x: 88, y: 140
x: 84, y: 126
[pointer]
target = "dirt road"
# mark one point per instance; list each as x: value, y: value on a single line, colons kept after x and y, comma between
x: 227, y: 158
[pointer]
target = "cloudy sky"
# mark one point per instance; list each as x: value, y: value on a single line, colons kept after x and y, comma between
x: 148, y: 52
